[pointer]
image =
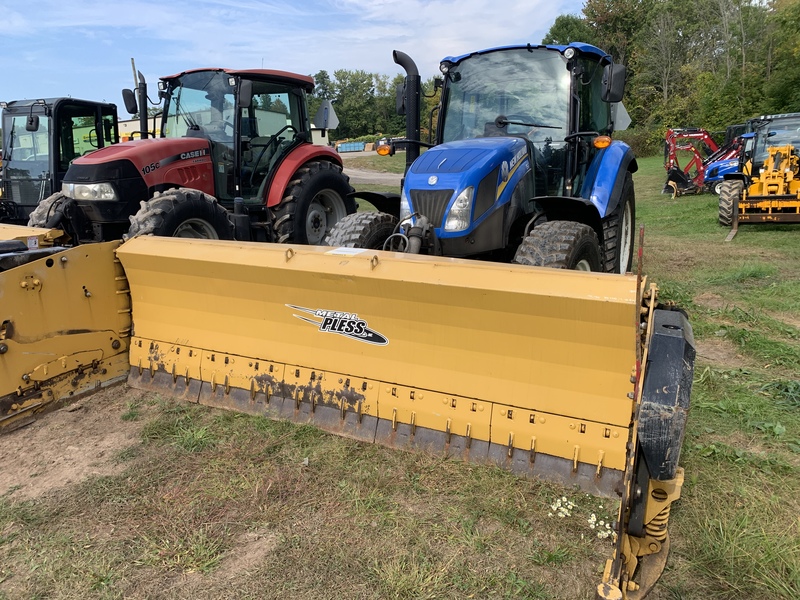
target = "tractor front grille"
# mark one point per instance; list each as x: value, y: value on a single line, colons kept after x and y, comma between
x: 431, y: 203
x: 26, y: 192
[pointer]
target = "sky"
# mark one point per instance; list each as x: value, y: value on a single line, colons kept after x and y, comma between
x: 53, y: 48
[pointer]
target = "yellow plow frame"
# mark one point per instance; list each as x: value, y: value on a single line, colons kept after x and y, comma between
x: 539, y: 371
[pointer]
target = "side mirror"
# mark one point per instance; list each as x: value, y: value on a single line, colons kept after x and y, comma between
x: 32, y: 124
x: 613, y: 83
x: 400, y: 98
x: 129, y: 98
x: 245, y: 93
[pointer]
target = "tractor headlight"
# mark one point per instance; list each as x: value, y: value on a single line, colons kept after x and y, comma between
x: 405, y: 206
x: 89, y: 191
x: 458, y: 217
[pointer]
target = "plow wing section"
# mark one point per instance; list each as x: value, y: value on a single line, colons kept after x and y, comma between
x: 527, y: 368
x: 64, y: 324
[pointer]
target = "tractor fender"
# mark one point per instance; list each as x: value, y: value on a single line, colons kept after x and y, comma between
x: 737, y: 176
x: 385, y: 202
x: 606, y: 176
x: 289, y: 166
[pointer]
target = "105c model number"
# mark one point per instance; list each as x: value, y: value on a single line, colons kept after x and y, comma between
x: 150, y: 168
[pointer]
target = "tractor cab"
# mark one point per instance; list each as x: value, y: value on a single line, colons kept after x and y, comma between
x: 518, y: 128
x: 40, y: 140
x: 251, y: 119
x: 774, y: 131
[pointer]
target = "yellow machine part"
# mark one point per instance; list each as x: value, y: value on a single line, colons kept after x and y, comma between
x: 64, y: 327
x: 525, y: 367
x: 34, y: 237
x: 774, y: 195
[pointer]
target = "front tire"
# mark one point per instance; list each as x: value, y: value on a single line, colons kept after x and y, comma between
x: 182, y: 212
x: 618, y: 231
x: 561, y: 245
x: 315, y: 200
x: 45, y: 209
x: 362, y: 230
x: 729, y: 196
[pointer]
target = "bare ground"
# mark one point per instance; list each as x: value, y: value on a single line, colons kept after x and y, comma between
x: 67, y: 446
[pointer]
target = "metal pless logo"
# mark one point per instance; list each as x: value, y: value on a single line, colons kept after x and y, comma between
x: 341, y: 323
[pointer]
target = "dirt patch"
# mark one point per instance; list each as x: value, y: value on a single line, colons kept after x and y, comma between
x: 68, y: 445
x: 786, y: 318
x: 720, y: 352
x: 711, y: 301
x: 362, y: 176
x: 250, y: 550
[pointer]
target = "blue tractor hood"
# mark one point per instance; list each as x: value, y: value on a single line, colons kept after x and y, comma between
x: 492, y: 166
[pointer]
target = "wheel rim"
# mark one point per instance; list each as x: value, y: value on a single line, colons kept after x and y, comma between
x: 625, y: 238
x: 583, y: 265
x: 325, y: 210
x: 718, y: 188
x: 196, y: 228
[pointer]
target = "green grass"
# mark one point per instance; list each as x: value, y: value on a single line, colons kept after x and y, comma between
x: 735, y: 531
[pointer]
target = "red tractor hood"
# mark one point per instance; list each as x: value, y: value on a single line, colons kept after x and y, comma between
x: 153, y: 150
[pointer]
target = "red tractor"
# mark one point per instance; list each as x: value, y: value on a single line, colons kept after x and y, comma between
x: 233, y: 159
x: 690, y: 179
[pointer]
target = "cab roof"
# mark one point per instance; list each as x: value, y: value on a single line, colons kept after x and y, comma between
x: 303, y: 81
x: 579, y: 46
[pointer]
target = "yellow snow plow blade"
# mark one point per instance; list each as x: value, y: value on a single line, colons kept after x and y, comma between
x: 525, y: 367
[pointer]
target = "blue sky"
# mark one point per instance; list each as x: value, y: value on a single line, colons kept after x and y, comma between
x: 84, y: 49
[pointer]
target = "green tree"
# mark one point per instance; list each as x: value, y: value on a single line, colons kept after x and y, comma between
x: 569, y: 28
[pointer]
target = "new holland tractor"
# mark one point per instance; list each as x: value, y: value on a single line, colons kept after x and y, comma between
x: 234, y: 159
x: 41, y: 138
x: 523, y: 166
x: 766, y: 186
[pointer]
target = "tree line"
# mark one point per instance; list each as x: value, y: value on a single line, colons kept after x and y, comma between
x: 365, y: 103
x: 705, y: 63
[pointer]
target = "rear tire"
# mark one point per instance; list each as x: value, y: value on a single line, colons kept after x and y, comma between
x: 618, y: 231
x: 314, y: 201
x: 182, y: 212
x: 729, y: 196
x: 561, y: 245
x: 362, y: 230
x: 45, y: 209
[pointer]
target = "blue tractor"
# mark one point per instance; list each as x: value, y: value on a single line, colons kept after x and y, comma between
x: 523, y: 167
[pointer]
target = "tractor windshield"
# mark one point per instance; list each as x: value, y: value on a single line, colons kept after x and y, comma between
x: 200, y: 104
x: 26, y: 160
x: 527, y: 87
x: 784, y: 131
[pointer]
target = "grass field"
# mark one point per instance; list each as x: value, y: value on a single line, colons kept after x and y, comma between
x: 207, y: 504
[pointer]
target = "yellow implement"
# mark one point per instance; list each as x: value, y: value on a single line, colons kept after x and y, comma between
x: 522, y: 366
x: 580, y: 378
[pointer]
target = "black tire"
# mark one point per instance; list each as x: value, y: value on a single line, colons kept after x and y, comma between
x: 182, y: 212
x: 619, y: 231
x: 45, y: 209
x: 314, y: 201
x: 362, y: 230
x: 561, y: 245
x: 729, y: 196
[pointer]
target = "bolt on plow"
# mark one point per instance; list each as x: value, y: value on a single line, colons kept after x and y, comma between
x: 575, y: 377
